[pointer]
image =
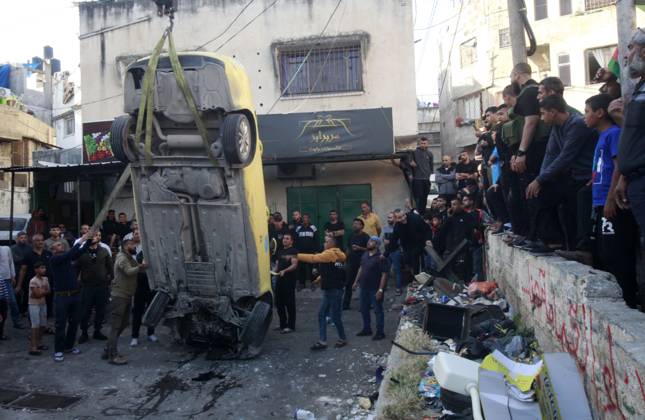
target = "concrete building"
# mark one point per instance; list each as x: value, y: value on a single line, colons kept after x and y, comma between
x: 317, y: 57
x: 21, y: 134
x: 66, y: 109
x: 574, y: 38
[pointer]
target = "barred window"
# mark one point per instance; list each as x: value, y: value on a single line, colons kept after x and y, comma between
x: 504, y: 38
x: 326, y: 69
x: 541, y: 9
x: 597, y: 4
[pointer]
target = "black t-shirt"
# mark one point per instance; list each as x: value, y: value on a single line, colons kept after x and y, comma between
x: 527, y: 102
x: 359, y: 239
x: 285, y: 263
x: 466, y: 168
x: 335, y: 227
x: 278, y: 234
x: 108, y: 229
x: 32, y: 258
x: 457, y: 228
x: 122, y: 229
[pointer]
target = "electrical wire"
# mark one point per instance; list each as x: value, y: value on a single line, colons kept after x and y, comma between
x: 425, y: 40
x: 246, y: 6
x: 247, y: 25
x: 331, y: 16
x: 452, y: 45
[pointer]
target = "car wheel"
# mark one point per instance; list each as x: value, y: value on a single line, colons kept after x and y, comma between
x: 256, y: 326
x: 238, y: 139
x: 119, y: 134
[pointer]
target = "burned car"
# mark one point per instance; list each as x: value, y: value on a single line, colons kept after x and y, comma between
x: 201, y: 207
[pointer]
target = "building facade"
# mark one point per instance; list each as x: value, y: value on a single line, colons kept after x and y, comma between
x: 302, y: 57
x: 574, y: 38
x: 66, y: 109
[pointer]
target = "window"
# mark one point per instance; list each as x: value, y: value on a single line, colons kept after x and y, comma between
x: 565, y: 7
x: 596, y: 58
x: 69, y: 125
x: 564, y: 69
x: 541, y: 11
x: 504, y: 38
x: 321, y: 69
x: 597, y: 4
x: 20, y: 153
x: 468, y: 52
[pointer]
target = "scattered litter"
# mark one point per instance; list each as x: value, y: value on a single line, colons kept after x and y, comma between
x: 301, y: 414
x: 322, y: 375
x: 364, y: 403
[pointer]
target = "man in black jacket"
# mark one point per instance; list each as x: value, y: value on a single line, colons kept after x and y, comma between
x: 566, y: 168
x: 95, y: 272
x: 410, y: 232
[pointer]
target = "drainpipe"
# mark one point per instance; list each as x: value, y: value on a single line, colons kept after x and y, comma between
x: 13, y: 191
x: 78, y: 203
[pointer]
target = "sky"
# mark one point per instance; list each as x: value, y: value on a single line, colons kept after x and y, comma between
x: 36, y: 23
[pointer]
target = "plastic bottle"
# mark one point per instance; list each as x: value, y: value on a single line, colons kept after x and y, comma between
x: 301, y: 414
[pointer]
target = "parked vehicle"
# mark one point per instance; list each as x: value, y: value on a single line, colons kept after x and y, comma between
x: 20, y: 223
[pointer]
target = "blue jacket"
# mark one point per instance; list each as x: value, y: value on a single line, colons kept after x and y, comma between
x: 63, y: 274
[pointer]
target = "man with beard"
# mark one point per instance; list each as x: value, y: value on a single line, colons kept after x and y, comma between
x: 277, y: 229
x: 467, y: 174
x: 286, y: 266
x: 410, y: 232
x: 296, y: 220
x: 445, y: 178
x: 422, y: 168
x: 395, y: 255
x: 372, y: 278
x: 335, y: 227
x: 630, y: 190
x: 459, y: 226
x: 306, y: 241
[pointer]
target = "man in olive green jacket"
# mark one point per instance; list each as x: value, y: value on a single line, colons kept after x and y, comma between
x: 126, y: 269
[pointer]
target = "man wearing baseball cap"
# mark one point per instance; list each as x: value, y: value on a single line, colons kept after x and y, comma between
x: 372, y: 278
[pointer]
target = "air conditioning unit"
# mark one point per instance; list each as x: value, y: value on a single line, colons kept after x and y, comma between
x: 296, y: 171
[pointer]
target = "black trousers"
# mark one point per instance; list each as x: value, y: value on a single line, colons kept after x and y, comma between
x: 563, y: 192
x: 411, y: 258
x: 304, y: 273
x: 585, y: 219
x: 142, y: 298
x: 420, y: 190
x: 4, y: 308
x: 67, y: 314
x: 93, y: 297
x: 497, y: 204
x: 617, y: 245
x: 351, y: 269
x: 285, y: 302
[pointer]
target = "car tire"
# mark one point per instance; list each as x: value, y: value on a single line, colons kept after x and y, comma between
x: 238, y: 140
x: 118, y: 136
x: 256, y: 326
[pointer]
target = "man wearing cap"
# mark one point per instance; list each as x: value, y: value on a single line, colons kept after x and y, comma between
x: 372, y: 278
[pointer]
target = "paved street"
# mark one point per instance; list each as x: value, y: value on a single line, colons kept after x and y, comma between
x: 160, y: 380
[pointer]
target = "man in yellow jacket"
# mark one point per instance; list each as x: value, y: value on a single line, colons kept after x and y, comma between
x: 331, y: 266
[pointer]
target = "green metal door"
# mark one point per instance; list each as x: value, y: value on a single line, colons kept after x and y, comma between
x: 318, y: 201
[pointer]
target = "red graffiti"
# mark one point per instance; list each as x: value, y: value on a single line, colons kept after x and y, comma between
x: 640, y: 383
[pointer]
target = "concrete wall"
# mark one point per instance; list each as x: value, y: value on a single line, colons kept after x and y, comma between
x: 389, y: 190
x: 388, y: 57
x: 579, y: 310
x: 20, y: 204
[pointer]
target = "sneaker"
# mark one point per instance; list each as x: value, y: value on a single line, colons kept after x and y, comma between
x: 83, y: 338
x: 286, y: 331
x: 583, y: 257
x: 134, y: 342
x: 153, y: 338
x: 363, y: 333
x: 98, y: 335
x: 58, y: 357
x: 378, y: 336
x: 73, y: 350
x: 537, y: 248
x: 118, y: 360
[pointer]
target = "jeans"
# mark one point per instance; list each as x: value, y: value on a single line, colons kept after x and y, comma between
x: 478, y: 263
x: 636, y: 194
x: 420, y: 190
x: 395, y: 260
x: 368, y: 298
x: 67, y: 313
x: 332, y: 300
x: 13, y: 303
x: 93, y: 297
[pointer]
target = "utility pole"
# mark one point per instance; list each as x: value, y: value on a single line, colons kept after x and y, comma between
x: 626, y: 18
x: 516, y: 31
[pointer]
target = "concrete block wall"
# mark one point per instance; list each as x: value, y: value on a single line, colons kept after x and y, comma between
x: 579, y: 310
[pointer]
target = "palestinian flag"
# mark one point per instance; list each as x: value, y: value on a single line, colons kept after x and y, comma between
x: 614, y: 64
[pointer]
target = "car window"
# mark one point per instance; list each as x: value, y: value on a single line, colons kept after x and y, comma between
x: 18, y: 223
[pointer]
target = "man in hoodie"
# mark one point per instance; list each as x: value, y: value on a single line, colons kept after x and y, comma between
x: 331, y: 266
x: 372, y: 277
x: 126, y: 269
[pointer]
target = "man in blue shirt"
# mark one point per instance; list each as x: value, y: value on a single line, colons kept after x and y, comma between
x: 616, y: 229
x: 372, y: 278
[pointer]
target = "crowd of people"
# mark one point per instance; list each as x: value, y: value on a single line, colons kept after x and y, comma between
x: 96, y: 278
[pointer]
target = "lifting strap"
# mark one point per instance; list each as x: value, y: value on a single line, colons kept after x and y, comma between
x: 146, y: 103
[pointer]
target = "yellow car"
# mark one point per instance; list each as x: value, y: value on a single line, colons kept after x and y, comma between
x: 201, y: 207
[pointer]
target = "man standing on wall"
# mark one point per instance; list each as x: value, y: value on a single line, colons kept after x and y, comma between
x: 422, y: 168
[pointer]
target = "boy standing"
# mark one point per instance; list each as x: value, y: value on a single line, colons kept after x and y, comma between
x: 38, y: 290
x: 616, y: 230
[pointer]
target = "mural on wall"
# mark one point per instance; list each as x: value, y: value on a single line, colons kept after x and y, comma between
x: 96, y: 142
